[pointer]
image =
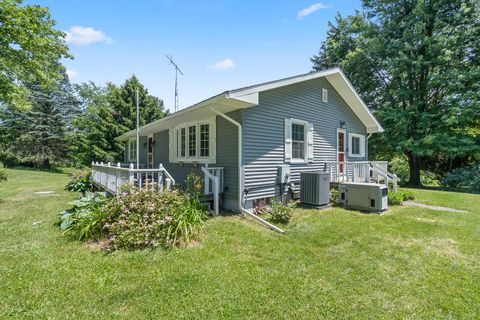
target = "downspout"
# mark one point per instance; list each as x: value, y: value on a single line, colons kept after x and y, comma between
x: 240, y: 191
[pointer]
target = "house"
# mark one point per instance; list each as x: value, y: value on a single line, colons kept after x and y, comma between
x: 251, y: 144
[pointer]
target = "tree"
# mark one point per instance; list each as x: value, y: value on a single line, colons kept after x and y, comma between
x: 108, y: 112
x: 95, y: 129
x: 122, y: 102
x: 417, y: 65
x: 36, y: 135
x: 30, y: 47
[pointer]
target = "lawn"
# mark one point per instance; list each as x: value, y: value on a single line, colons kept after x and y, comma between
x: 407, y: 263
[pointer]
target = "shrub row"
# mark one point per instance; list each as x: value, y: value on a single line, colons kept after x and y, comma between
x: 135, y: 219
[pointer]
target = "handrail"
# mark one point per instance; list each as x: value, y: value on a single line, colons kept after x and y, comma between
x: 215, y: 187
x: 169, y: 176
x: 111, y: 177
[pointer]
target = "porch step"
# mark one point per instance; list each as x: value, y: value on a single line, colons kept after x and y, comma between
x: 207, y: 199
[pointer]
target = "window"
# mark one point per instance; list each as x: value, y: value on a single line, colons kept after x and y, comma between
x: 204, y: 140
x: 356, y: 145
x: 298, y: 141
x: 132, y: 150
x: 324, y: 95
x: 193, y: 142
x: 183, y: 142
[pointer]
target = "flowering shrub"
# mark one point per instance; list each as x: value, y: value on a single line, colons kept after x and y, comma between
x: 147, y: 218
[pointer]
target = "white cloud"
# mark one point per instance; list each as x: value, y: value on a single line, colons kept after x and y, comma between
x: 86, y: 35
x: 224, y: 64
x: 72, y: 74
x: 315, y: 7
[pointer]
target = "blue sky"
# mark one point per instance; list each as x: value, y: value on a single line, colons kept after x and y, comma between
x: 219, y: 45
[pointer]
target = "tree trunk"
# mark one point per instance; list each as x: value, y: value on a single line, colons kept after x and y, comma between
x: 46, y: 163
x: 414, y: 163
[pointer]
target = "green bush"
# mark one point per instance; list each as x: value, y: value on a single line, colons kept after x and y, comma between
x: 3, y: 175
x: 142, y: 218
x: 465, y: 178
x: 334, y: 195
x: 407, y: 194
x: 395, y: 198
x: 80, y: 181
x: 281, y: 213
x: 85, y: 219
x: 187, y: 222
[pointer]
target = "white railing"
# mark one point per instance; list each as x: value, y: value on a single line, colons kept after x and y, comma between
x: 213, y: 184
x: 112, y: 178
x: 358, y: 171
x: 361, y: 171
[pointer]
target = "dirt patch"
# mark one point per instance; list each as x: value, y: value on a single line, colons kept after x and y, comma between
x: 443, y: 246
x: 425, y: 219
x: 97, y: 245
x: 427, y: 206
x: 42, y: 193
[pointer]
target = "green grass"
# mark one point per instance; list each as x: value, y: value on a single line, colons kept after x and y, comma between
x: 407, y: 263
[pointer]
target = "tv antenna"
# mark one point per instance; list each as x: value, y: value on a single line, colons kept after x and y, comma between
x: 177, y: 70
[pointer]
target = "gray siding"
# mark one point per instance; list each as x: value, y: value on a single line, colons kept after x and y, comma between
x: 263, y: 130
x: 227, y: 157
x: 160, y: 155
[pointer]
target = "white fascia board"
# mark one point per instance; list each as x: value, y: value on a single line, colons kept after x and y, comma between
x: 183, y: 112
x: 283, y: 83
x: 251, y: 99
x: 345, y: 89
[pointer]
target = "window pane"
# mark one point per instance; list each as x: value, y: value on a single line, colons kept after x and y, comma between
x: 356, y: 145
x: 298, y: 132
x: 298, y: 141
x: 204, y: 140
x: 192, y: 141
x: 184, y: 139
x: 177, y: 142
x: 341, y: 142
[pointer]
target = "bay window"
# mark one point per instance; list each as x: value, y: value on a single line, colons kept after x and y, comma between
x: 194, y: 142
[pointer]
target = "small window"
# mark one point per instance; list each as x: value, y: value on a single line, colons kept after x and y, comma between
x: 132, y: 150
x: 356, y: 146
x: 192, y: 141
x: 183, y: 142
x: 298, y: 141
x: 204, y: 140
x: 324, y: 95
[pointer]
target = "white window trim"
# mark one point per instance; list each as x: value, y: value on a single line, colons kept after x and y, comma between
x: 197, y: 159
x: 324, y: 95
x: 361, y: 142
x: 129, y: 150
x: 306, y: 144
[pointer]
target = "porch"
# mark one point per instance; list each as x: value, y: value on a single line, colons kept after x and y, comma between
x: 112, y: 178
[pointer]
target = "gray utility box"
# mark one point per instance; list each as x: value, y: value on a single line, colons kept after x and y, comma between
x: 363, y: 196
x: 315, y: 188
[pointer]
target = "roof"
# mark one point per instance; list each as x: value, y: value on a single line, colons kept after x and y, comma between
x: 248, y: 97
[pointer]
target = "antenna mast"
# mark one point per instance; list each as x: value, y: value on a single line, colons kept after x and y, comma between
x: 177, y: 70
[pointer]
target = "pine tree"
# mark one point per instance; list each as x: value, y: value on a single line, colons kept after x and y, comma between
x: 36, y: 135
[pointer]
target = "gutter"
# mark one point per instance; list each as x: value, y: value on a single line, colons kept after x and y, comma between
x: 240, y: 192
